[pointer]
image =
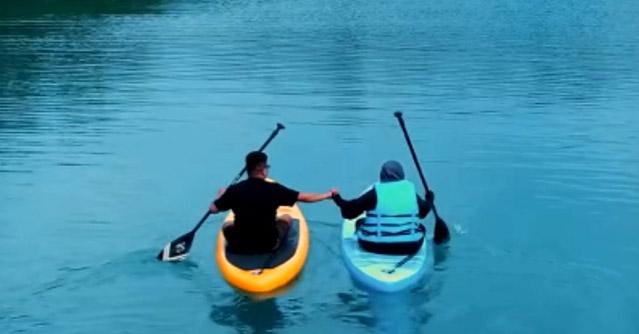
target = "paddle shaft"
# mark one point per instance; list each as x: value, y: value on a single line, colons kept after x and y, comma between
x: 274, y: 251
x: 239, y: 175
x: 441, y: 233
x: 401, y: 263
x: 268, y: 141
x: 412, y: 152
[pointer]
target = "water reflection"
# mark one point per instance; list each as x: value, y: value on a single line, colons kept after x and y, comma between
x: 247, y: 315
x: 33, y: 8
x: 440, y: 255
x: 65, y: 82
x: 401, y: 312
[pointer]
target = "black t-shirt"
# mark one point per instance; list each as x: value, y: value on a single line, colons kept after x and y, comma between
x: 254, y: 202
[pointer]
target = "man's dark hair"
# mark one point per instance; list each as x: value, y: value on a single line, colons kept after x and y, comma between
x: 254, y: 159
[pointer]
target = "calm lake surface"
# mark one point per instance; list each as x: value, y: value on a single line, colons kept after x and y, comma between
x: 119, y: 120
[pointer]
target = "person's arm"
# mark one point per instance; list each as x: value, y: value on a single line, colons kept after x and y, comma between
x: 425, y: 205
x: 351, y: 209
x: 315, y: 197
x: 221, y: 202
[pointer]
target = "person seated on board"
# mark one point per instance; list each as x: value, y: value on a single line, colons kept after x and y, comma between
x: 392, y: 209
x: 254, y: 202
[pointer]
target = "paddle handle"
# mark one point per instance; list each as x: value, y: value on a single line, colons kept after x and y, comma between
x: 268, y: 141
x: 398, y: 114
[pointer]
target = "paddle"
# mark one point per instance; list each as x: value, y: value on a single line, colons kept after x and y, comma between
x: 441, y: 234
x: 178, y: 249
x: 271, y: 257
x: 405, y: 259
x: 399, y: 264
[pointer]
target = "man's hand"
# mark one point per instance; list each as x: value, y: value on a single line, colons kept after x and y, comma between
x: 213, y: 208
x: 316, y: 197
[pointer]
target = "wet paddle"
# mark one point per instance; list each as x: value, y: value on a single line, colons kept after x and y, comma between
x: 441, y: 233
x: 178, y: 249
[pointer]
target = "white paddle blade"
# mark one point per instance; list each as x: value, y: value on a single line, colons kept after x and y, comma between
x: 178, y: 249
x: 167, y: 256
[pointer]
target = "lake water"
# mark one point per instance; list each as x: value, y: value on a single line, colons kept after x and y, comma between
x: 119, y: 120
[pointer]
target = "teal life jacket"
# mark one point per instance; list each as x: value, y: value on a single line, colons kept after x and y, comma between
x: 395, y: 217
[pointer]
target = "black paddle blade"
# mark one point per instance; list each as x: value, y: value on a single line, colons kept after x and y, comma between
x: 442, y: 234
x: 178, y: 249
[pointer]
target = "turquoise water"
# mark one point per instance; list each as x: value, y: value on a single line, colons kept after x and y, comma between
x: 120, y: 119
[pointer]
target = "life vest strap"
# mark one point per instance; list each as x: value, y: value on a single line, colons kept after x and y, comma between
x: 386, y: 224
x: 406, y: 215
x: 389, y: 234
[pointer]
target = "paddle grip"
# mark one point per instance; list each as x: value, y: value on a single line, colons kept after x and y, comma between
x: 278, y: 127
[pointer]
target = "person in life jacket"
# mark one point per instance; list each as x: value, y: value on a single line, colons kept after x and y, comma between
x: 393, y: 209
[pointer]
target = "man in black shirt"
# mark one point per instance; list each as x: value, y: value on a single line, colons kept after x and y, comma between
x: 254, y: 202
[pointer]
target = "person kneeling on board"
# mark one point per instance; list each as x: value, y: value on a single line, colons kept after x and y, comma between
x: 392, y: 209
x: 254, y: 202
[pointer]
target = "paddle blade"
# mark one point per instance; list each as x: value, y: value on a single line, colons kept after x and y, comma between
x: 178, y: 249
x: 442, y: 234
